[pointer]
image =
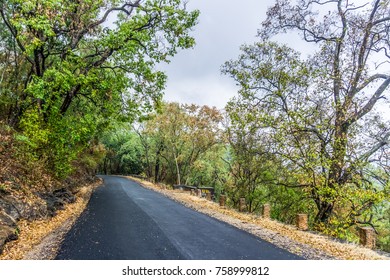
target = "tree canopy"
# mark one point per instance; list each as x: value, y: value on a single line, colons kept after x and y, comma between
x: 319, y: 116
x: 175, y: 139
x: 68, y: 67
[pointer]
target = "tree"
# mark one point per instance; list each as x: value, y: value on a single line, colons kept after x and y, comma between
x: 256, y: 172
x: 84, y: 62
x: 177, y: 137
x: 71, y: 47
x: 123, y: 152
x: 250, y: 164
x: 320, y: 113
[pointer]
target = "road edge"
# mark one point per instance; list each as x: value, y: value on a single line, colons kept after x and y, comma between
x: 309, y: 245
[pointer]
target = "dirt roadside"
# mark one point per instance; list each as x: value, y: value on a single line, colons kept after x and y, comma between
x: 40, y: 240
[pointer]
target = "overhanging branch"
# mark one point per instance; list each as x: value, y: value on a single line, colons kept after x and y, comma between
x: 383, y: 142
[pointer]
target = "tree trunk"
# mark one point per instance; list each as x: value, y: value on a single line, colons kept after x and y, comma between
x: 325, y: 204
x: 157, y: 163
x: 324, y: 212
x: 157, y: 168
x: 177, y: 169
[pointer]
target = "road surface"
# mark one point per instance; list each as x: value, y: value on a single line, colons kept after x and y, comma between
x: 124, y: 221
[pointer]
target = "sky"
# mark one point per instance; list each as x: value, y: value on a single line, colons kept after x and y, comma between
x: 194, y: 75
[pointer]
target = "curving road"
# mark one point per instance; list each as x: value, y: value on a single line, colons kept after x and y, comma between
x: 124, y: 221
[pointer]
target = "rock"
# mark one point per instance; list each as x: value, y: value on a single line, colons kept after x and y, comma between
x: 57, y: 200
x: 222, y: 200
x: 6, y: 220
x: 266, y: 211
x: 35, y: 211
x: 7, y: 234
x: 18, y: 209
x: 242, y: 204
x: 65, y: 195
x: 302, y: 222
x: 10, y: 206
x: 367, y: 237
x: 13, y: 209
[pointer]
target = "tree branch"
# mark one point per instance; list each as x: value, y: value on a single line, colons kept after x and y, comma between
x: 370, y: 80
x: 363, y: 49
x: 15, y: 35
x: 136, y: 4
x: 383, y: 142
x: 370, y: 104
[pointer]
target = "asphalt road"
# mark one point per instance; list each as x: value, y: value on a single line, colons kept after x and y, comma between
x: 124, y: 221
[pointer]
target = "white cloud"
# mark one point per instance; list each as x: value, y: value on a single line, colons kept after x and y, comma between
x: 194, y: 75
x: 202, y: 91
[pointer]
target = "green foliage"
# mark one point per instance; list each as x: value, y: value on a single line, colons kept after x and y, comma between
x: 34, y: 135
x: 178, y: 144
x: 310, y: 122
x: 177, y: 138
x: 210, y: 170
x: 123, y: 152
x: 65, y: 73
x: 57, y: 141
x: 384, y: 227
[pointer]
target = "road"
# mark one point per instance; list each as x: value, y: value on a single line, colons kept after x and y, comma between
x: 124, y: 221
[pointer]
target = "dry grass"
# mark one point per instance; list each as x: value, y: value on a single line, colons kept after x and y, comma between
x: 33, y: 233
x: 307, y: 244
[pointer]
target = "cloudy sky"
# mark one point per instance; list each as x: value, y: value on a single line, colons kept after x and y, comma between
x: 194, y: 75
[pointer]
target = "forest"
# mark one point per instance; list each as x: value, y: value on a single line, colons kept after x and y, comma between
x: 79, y: 90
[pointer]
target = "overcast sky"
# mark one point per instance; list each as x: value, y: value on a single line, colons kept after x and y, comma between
x: 194, y: 75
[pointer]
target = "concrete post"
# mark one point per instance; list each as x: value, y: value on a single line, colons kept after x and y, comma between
x: 266, y: 211
x: 302, y: 222
x: 367, y: 237
x: 208, y: 196
x: 222, y: 200
x: 242, y: 205
x: 199, y: 193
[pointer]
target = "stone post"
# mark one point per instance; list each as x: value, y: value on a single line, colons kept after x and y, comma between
x: 242, y: 205
x: 208, y: 196
x: 192, y: 192
x: 199, y: 193
x: 222, y: 200
x: 367, y: 237
x: 302, y: 222
x: 266, y: 211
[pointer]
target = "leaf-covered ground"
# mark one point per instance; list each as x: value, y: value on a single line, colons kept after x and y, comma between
x: 40, y: 239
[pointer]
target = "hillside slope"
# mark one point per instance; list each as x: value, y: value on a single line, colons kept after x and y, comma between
x: 28, y: 191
